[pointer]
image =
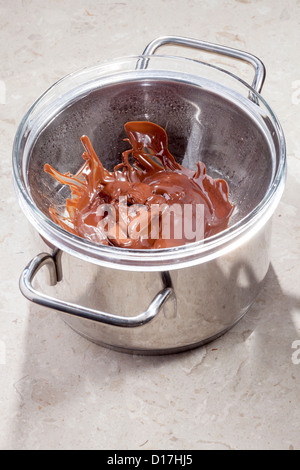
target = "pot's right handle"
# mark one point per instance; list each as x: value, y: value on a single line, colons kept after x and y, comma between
x: 33, y: 295
x: 260, y: 71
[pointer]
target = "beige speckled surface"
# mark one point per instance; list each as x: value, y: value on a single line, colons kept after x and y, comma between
x: 59, y: 391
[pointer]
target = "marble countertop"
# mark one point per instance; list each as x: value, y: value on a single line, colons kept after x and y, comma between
x: 60, y: 391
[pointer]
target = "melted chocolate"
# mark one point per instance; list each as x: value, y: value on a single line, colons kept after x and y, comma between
x: 126, y: 207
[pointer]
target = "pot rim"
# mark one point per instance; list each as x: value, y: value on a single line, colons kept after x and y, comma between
x: 159, y: 259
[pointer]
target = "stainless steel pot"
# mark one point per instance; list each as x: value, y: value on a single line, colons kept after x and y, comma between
x: 159, y: 301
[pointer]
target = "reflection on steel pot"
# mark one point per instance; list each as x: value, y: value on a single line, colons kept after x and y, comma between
x: 154, y: 301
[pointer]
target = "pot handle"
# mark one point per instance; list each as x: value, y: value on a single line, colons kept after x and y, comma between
x: 260, y: 71
x: 33, y: 295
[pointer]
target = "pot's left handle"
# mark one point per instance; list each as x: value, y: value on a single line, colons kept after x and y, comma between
x: 33, y: 295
